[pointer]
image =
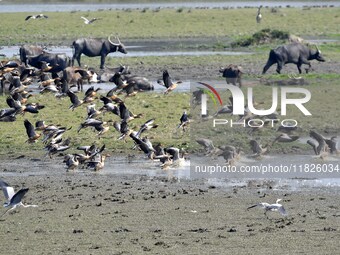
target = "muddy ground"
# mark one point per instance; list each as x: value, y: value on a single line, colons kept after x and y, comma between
x: 211, y: 71
x: 97, y: 213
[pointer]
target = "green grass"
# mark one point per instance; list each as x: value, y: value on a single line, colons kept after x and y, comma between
x: 63, y: 27
x: 152, y: 105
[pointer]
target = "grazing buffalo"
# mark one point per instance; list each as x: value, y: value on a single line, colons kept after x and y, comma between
x: 295, y: 53
x: 95, y: 48
x: 232, y: 73
x: 29, y: 51
x: 57, y: 61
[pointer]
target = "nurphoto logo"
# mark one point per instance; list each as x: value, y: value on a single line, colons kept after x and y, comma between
x: 287, y: 97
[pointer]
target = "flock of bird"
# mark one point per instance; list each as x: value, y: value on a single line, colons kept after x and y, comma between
x: 92, y: 20
x: 19, y: 79
x: 43, y: 16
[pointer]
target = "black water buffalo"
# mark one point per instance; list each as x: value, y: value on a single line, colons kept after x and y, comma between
x: 58, y: 61
x: 232, y: 73
x: 295, y: 53
x: 138, y: 83
x: 95, y: 48
x: 106, y: 74
x: 29, y: 51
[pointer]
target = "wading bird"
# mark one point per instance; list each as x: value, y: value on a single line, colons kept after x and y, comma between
x: 271, y: 207
x: 13, y: 199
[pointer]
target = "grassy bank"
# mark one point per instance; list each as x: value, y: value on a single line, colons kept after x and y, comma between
x: 62, y: 28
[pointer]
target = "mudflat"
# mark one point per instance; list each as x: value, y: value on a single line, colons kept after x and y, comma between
x: 113, y: 213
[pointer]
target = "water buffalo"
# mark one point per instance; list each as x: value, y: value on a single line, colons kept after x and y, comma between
x: 58, y: 61
x: 29, y: 50
x: 76, y: 75
x: 109, y: 72
x: 295, y: 53
x: 136, y: 83
x: 95, y: 48
x: 232, y: 73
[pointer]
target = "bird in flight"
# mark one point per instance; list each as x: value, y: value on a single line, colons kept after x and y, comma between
x: 39, y: 16
x: 271, y: 207
x: 13, y: 199
x: 87, y: 22
x: 168, y: 83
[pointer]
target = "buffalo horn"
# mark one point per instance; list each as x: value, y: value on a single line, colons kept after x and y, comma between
x: 115, y: 44
x: 317, y: 48
x: 118, y: 40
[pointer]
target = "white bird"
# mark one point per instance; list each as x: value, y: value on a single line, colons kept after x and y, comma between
x: 87, y: 22
x: 13, y: 199
x: 271, y: 207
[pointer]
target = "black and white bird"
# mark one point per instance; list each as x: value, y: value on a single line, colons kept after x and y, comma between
x: 38, y: 16
x: 184, y: 121
x: 87, y: 22
x: 271, y: 207
x: 13, y: 198
x: 259, y: 15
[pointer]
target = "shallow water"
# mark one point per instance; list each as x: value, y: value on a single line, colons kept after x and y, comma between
x: 5, y: 7
x: 134, y: 51
x: 139, y: 165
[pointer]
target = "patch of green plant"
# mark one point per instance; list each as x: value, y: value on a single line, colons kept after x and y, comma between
x: 264, y: 36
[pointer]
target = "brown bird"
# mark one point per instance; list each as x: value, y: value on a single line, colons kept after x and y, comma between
x: 168, y: 83
x: 32, y: 135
